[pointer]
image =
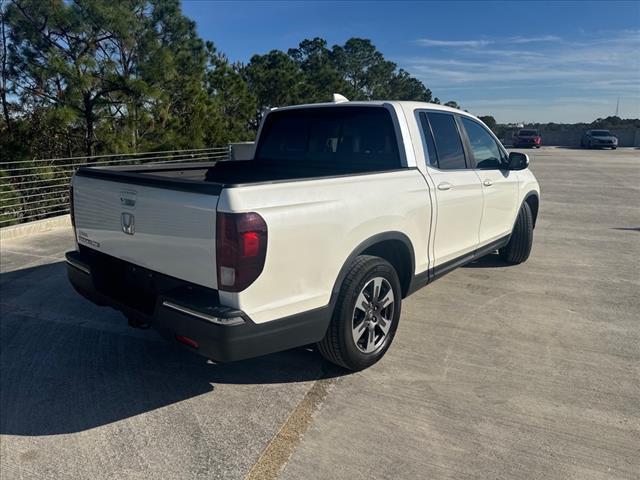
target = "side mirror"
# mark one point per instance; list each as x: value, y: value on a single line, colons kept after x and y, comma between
x: 518, y: 161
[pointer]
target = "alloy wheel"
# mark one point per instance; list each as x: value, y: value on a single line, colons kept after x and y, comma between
x: 373, y: 315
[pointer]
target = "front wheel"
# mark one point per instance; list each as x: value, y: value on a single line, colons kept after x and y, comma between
x: 366, y: 315
x: 519, y: 246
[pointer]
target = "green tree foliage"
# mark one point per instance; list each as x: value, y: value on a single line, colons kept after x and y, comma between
x: 232, y: 105
x: 363, y: 67
x: 274, y: 79
x: 313, y: 72
x: 490, y: 122
x: 114, y: 77
x: 319, y: 79
x: 111, y: 67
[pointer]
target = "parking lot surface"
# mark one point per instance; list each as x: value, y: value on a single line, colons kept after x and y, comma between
x: 529, y: 371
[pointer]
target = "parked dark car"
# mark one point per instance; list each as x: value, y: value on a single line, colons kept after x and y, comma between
x: 528, y: 138
x: 599, y: 138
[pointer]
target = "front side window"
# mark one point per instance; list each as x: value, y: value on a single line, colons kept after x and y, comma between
x: 448, y: 145
x: 484, y: 148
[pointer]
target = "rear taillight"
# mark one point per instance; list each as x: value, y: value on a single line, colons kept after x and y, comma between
x: 241, y: 249
x: 72, y: 213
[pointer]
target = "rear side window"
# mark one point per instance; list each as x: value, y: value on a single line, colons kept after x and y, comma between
x: 447, y: 142
x: 361, y: 138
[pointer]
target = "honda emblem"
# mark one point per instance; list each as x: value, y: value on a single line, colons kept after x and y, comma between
x: 128, y: 223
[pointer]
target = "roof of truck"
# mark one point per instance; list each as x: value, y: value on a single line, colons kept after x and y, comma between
x: 404, y: 104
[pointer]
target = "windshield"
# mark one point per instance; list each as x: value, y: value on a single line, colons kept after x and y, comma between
x: 601, y: 133
x: 334, y: 137
x: 528, y: 133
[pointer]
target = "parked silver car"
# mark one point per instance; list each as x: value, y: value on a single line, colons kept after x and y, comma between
x: 599, y: 138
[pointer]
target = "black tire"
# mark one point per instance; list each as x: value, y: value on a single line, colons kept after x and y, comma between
x: 519, y: 246
x: 338, y: 346
x: 613, y: 148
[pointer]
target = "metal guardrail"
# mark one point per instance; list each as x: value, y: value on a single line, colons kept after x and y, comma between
x: 36, y: 189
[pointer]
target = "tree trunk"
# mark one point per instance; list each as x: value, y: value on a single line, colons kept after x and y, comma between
x: 4, y: 73
x: 89, y: 143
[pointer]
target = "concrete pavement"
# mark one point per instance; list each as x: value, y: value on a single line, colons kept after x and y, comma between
x: 531, y: 371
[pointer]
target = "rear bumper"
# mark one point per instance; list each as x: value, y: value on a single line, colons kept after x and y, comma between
x: 526, y: 143
x: 215, y: 331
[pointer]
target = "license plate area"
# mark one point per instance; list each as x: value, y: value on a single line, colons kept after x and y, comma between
x: 128, y: 284
x: 137, y: 287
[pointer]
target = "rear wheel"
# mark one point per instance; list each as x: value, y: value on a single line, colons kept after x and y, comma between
x: 366, y: 315
x: 519, y: 246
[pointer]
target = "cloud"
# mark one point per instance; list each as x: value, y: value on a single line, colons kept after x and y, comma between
x: 428, y: 42
x: 554, y: 79
x: 479, y: 43
x: 598, y: 63
x: 543, y: 38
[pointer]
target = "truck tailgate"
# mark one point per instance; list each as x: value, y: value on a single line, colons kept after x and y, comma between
x: 166, y: 230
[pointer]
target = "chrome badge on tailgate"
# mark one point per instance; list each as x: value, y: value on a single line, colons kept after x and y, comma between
x: 128, y: 200
x: 128, y: 223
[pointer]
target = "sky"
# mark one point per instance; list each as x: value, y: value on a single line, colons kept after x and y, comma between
x: 518, y: 61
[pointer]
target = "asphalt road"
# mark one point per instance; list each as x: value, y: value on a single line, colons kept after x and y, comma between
x: 530, y: 371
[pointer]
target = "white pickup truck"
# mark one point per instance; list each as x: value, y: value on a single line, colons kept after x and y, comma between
x: 343, y: 210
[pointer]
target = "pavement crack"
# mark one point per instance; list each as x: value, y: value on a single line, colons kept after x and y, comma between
x: 277, y: 453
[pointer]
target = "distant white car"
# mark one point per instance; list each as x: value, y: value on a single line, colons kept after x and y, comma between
x: 345, y: 209
x: 599, y: 138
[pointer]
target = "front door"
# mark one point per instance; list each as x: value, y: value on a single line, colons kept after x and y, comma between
x: 499, y: 185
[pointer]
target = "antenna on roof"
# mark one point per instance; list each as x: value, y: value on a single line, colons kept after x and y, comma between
x: 337, y: 98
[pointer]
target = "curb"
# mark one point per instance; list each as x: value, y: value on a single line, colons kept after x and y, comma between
x: 38, y: 226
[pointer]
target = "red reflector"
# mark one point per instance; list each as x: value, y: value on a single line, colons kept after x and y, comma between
x: 250, y: 244
x: 187, y: 341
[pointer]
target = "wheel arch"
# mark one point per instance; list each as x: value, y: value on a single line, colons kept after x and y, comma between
x: 394, y: 247
x: 533, y: 200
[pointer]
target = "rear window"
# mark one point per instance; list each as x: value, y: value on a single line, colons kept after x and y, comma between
x: 335, y: 137
x: 528, y: 133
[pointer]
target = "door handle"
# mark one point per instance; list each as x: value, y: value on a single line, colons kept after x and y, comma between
x: 444, y: 186
x: 487, y: 183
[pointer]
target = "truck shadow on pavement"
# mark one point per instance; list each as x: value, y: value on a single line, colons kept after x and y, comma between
x: 492, y: 260
x: 68, y: 366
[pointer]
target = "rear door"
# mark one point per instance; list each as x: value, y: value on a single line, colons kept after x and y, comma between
x: 458, y: 190
x: 166, y: 230
x: 499, y: 185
